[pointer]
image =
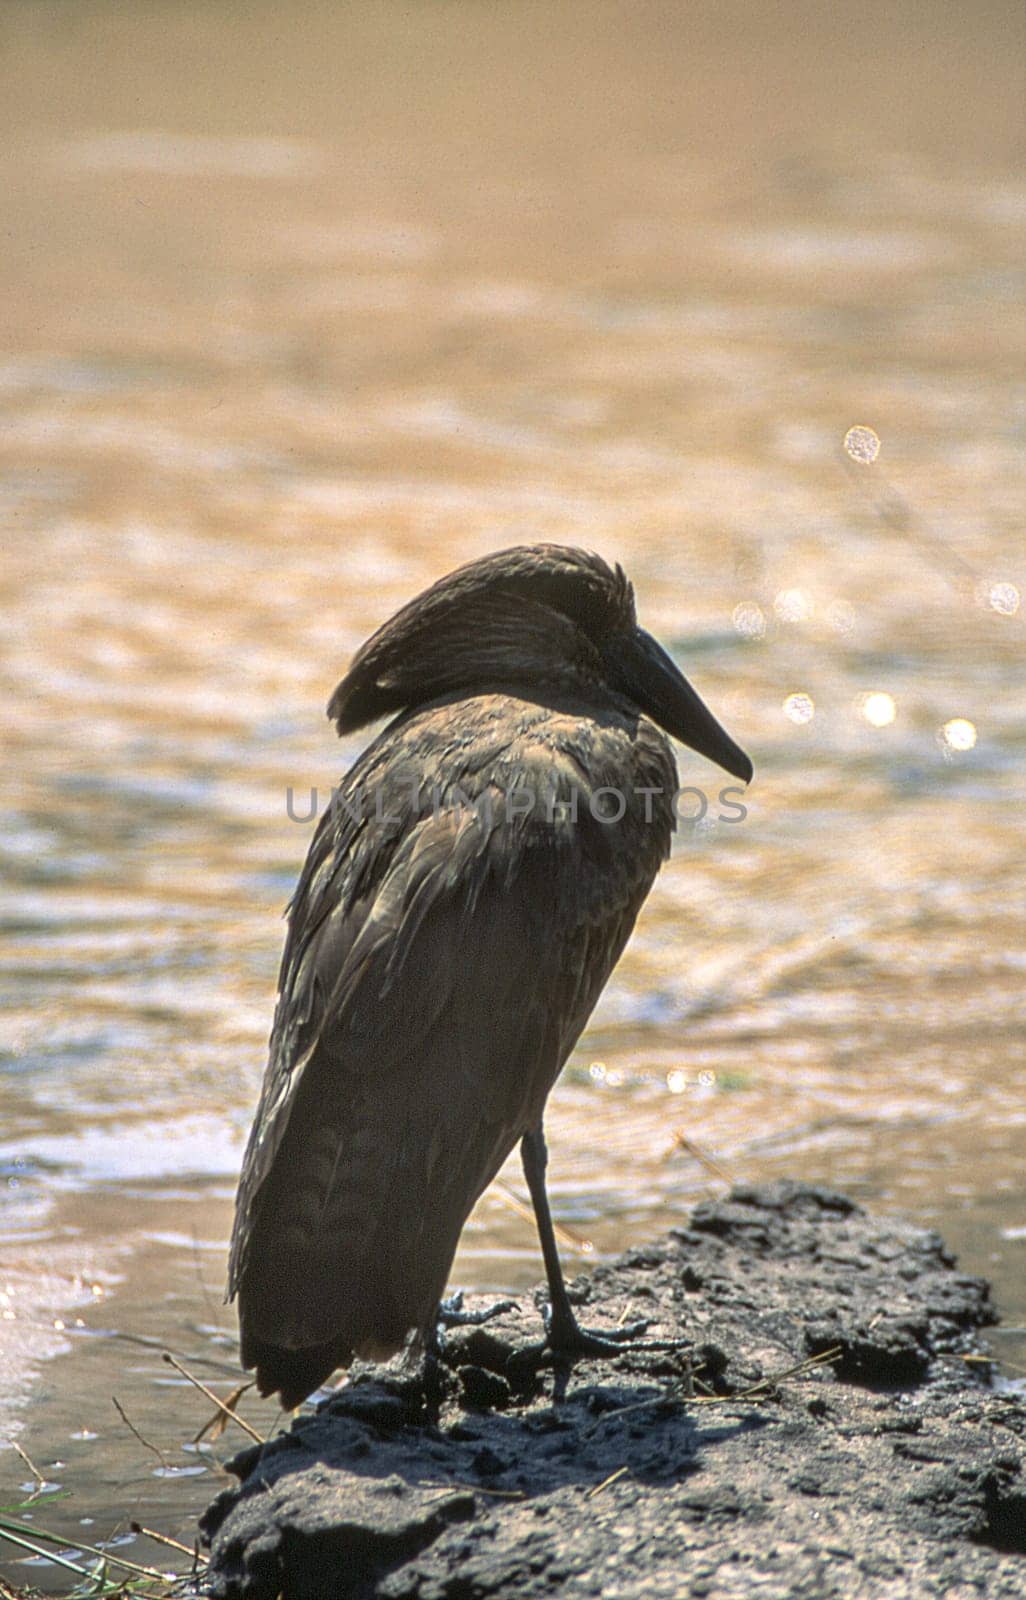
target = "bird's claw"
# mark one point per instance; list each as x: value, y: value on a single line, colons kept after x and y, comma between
x: 452, y: 1315
x: 572, y: 1340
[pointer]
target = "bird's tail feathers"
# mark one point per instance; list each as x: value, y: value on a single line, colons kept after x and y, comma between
x: 293, y: 1374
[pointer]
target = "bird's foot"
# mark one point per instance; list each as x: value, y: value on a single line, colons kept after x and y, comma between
x: 565, y: 1338
x: 452, y: 1315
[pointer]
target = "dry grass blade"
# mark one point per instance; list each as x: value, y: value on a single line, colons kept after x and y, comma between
x: 216, y: 1400
x: 704, y: 1159
x: 476, y: 1488
x: 40, y: 1550
x: 573, y: 1241
x: 16, y: 1533
x: 755, y: 1390
x: 218, y: 1423
x: 614, y: 1477
x: 666, y: 1397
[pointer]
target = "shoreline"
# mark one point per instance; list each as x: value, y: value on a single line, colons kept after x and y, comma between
x: 831, y: 1426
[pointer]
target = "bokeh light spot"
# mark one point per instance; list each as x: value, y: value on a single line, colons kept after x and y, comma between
x: 791, y: 605
x: 799, y: 707
x: 1004, y: 598
x: 878, y: 709
x: 958, y: 734
x: 862, y: 444
x: 840, y: 615
x: 748, y: 619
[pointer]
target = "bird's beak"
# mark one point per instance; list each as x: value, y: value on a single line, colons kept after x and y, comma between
x: 645, y: 672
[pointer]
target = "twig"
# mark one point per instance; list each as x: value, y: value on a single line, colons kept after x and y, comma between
x: 573, y: 1241
x: 212, y: 1397
x: 172, y: 1544
x: 704, y: 1159
x: 613, y: 1478
x: 40, y: 1480
x: 130, y: 1425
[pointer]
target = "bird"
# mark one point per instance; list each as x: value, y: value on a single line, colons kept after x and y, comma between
x: 466, y: 895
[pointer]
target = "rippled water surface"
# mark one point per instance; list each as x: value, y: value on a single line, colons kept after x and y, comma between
x: 305, y: 308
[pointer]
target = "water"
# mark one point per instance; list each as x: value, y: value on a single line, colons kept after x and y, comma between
x: 299, y: 318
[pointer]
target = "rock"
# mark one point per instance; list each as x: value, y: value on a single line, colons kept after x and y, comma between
x: 891, y: 1466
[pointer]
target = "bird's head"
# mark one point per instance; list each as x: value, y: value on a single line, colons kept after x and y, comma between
x: 530, y: 617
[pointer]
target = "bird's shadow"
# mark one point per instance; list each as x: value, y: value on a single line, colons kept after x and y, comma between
x: 581, y: 1430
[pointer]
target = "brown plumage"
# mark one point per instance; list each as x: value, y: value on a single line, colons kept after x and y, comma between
x: 456, y: 919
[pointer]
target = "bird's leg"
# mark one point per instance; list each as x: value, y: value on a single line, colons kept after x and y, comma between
x: 434, y: 1388
x: 564, y: 1334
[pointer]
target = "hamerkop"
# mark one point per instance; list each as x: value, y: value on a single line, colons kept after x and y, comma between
x: 464, y: 900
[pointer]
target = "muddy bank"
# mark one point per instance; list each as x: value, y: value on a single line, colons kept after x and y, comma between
x: 893, y: 1465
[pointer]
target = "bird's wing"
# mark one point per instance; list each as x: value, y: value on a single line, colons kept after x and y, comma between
x: 425, y: 1011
